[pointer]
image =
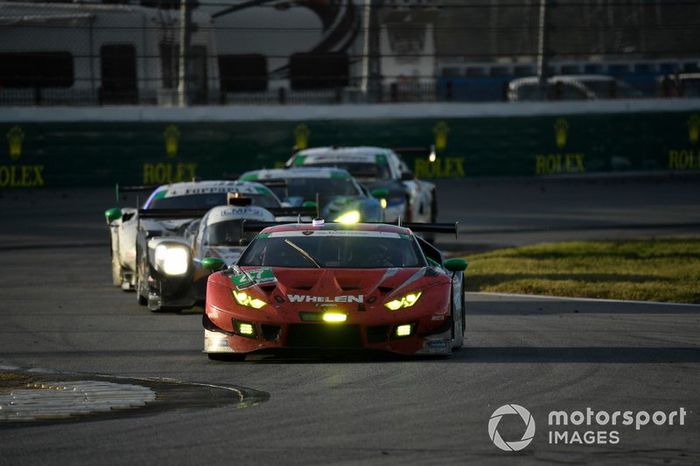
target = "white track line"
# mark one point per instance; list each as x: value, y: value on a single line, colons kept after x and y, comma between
x: 567, y: 298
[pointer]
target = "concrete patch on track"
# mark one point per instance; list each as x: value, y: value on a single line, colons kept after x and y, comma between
x: 28, y: 396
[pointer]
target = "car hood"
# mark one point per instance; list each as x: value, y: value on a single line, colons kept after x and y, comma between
x: 335, y: 285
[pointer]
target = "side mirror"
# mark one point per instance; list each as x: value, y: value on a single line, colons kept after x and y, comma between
x: 213, y: 263
x: 456, y: 265
x: 115, y: 213
x: 407, y: 176
x: 380, y: 193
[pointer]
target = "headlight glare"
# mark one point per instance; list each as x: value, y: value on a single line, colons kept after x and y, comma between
x: 244, y: 299
x: 172, y: 260
x: 351, y: 216
x: 405, y: 301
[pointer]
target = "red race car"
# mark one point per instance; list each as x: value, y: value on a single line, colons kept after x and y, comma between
x: 335, y: 286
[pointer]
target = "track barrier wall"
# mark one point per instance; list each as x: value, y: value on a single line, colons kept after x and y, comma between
x: 55, y: 150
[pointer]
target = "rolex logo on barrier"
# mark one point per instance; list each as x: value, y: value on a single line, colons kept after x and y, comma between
x: 694, y: 128
x: 19, y: 175
x: 172, y: 138
x: 560, y: 161
x: 169, y: 172
x: 441, y: 129
x: 15, y: 138
x: 561, y: 132
x: 301, y: 136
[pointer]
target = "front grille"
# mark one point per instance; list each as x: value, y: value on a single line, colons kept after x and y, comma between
x: 377, y: 334
x: 324, y: 336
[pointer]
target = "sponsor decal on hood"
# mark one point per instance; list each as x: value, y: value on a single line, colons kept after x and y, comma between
x: 301, y: 298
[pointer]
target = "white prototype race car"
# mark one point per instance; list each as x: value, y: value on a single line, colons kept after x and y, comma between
x: 124, y: 223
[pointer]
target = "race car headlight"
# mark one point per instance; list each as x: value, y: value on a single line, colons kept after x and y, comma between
x: 244, y: 299
x: 352, y: 216
x: 406, y: 301
x: 172, y: 260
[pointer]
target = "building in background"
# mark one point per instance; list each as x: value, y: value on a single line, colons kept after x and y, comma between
x: 332, y: 51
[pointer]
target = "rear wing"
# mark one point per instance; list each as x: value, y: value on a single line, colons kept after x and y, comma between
x: 292, y: 211
x: 273, y: 183
x: 119, y: 190
x: 452, y: 228
x: 174, y: 214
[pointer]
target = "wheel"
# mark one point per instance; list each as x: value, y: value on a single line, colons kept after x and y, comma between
x: 153, y: 302
x: 459, y: 339
x: 464, y: 310
x: 226, y: 356
x: 140, y: 298
x: 407, y: 213
x: 116, y: 270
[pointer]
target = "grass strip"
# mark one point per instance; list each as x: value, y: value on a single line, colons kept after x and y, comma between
x: 656, y: 269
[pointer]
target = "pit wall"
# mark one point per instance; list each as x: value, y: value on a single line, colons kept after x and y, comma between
x: 63, y: 147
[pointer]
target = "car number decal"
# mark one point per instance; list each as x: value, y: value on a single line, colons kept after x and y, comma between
x: 248, y: 278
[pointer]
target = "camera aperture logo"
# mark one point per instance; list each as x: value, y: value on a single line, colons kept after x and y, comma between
x: 582, y: 427
x: 529, y: 427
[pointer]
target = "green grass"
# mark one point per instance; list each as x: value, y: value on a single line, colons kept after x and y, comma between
x: 665, y: 269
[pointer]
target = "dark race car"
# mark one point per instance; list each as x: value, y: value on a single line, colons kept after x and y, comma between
x: 378, y: 168
x: 340, y: 197
x: 335, y: 286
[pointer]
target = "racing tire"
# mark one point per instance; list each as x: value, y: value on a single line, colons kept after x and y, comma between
x: 459, y: 343
x: 407, y: 212
x: 227, y: 356
x: 140, y: 298
x: 116, y: 270
x: 464, y: 309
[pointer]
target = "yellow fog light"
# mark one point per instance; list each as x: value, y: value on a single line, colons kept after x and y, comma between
x: 244, y: 299
x: 334, y: 317
x: 246, y: 329
x: 403, y: 330
x: 352, y: 216
x: 406, y: 301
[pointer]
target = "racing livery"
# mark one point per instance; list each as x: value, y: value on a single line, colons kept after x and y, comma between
x: 407, y: 198
x: 341, y: 198
x: 339, y: 286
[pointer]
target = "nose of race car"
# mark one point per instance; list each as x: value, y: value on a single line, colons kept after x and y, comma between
x: 329, y: 308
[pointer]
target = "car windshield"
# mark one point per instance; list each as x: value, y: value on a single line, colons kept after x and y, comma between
x: 361, y: 170
x: 326, y: 188
x: 366, y: 251
x: 227, y: 233
x: 206, y: 201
